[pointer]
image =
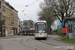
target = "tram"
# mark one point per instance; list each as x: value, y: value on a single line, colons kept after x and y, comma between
x: 41, y: 29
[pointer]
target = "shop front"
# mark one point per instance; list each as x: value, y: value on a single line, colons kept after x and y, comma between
x: 1, y: 27
x: 15, y: 31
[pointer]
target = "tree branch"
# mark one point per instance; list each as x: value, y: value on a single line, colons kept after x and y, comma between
x: 59, y: 18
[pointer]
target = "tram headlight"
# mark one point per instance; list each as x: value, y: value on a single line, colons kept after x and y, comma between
x: 43, y: 31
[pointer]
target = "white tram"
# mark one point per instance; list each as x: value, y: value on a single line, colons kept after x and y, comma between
x: 41, y: 29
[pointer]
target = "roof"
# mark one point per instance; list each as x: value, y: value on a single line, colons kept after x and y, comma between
x: 69, y: 18
x: 7, y: 3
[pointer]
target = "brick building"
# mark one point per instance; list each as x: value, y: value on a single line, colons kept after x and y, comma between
x: 10, y: 17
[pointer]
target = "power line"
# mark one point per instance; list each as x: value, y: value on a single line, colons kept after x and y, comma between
x: 33, y: 2
x: 28, y: 16
x: 29, y: 5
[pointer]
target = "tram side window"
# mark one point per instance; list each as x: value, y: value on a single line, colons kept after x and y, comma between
x: 37, y: 28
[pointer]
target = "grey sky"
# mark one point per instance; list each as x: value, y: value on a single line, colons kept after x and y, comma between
x: 31, y: 11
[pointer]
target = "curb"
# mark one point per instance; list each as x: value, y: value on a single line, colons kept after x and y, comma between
x: 63, y: 41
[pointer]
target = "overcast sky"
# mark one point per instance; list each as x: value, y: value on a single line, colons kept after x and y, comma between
x: 30, y: 11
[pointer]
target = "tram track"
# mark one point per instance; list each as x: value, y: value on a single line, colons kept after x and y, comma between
x: 40, y: 48
x: 27, y: 45
x: 32, y: 45
x: 47, y: 42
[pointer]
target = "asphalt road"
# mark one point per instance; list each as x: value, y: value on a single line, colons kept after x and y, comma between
x: 29, y: 43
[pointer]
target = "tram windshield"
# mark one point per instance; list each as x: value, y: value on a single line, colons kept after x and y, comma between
x: 40, y: 27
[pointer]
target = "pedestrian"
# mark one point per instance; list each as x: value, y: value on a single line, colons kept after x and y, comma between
x: 0, y: 33
x: 51, y: 31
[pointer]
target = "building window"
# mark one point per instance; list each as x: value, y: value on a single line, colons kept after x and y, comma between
x: 3, y: 17
x: 12, y: 16
x: 0, y: 4
x: 0, y: 16
x: 3, y: 1
x: 3, y: 8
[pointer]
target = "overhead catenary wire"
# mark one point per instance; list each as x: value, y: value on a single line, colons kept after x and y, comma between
x: 26, y: 6
x: 33, y: 3
x: 28, y: 16
x: 29, y: 5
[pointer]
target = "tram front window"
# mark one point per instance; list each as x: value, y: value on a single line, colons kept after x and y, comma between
x: 40, y: 28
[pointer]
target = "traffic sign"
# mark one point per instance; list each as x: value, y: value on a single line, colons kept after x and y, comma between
x: 62, y: 24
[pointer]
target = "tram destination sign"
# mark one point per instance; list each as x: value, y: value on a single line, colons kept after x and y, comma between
x: 39, y: 23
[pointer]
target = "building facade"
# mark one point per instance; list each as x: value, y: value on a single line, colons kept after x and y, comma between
x: 10, y: 17
x: 26, y: 25
x: 18, y: 25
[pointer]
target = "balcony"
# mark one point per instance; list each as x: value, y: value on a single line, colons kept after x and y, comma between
x: 3, y: 2
x: 3, y: 18
x: 0, y: 4
x: 12, y: 23
x: 12, y: 18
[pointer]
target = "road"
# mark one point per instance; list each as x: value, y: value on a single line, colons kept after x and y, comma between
x: 29, y: 43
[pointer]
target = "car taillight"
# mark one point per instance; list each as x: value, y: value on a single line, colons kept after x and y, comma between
x: 43, y: 31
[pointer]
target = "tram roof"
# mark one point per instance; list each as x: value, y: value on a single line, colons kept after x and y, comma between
x: 40, y: 21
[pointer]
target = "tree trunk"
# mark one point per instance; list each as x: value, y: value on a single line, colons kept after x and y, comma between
x: 49, y: 30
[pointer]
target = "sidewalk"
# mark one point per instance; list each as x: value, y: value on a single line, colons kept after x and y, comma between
x: 10, y: 36
x: 57, y: 39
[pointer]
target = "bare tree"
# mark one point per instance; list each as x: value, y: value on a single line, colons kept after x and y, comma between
x: 64, y: 8
x: 58, y: 8
x: 47, y: 13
